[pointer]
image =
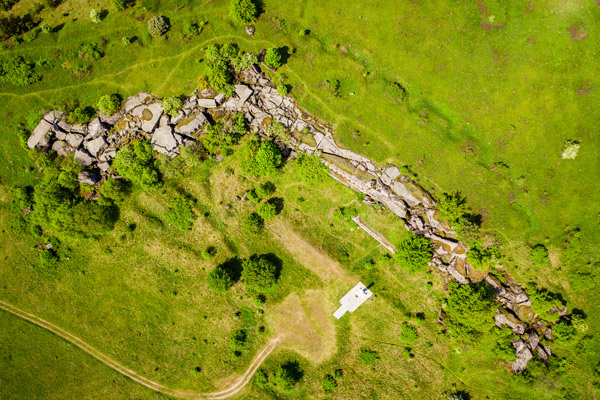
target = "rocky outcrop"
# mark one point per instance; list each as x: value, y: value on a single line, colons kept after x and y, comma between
x: 142, y: 117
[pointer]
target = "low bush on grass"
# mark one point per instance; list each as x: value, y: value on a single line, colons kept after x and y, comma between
x: 136, y: 162
x: 329, y: 383
x: 504, y: 348
x: 219, y: 280
x: 368, y: 357
x: 48, y: 260
x: 238, y: 342
x: 109, y: 103
x: 81, y: 115
x: 452, y: 207
x: 409, y: 334
x: 253, y: 224
x: 172, y: 105
x: 563, y: 333
x: 181, y: 213
x: 265, y: 190
x: 414, y: 253
x: 286, y: 376
x: 539, y: 255
x: 544, y: 303
x: 18, y: 71
x: 310, y: 168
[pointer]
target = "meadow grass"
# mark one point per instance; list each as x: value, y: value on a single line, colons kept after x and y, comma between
x: 487, y: 113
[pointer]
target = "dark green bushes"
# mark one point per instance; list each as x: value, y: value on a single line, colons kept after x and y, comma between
x: 414, y: 253
x: 273, y: 57
x: 243, y: 11
x: 172, y: 105
x: 109, y: 103
x: 260, y: 159
x: 136, y: 162
x: 18, y: 71
x: 224, y: 276
x: 470, y: 309
x: 539, y: 255
x: 253, y: 224
x: 260, y: 273
x: 12, y: 25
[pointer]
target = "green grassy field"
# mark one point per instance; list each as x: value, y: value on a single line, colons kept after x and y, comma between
x: 487, y: 114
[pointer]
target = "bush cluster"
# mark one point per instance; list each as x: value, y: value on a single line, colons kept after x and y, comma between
x: 260, y: 273
x: 18, y: 71
x: 181, y: 213
x: 470, y: 309
x: 260, y: 158
x: 136, y: 162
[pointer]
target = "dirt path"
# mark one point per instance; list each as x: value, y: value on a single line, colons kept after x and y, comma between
x: 231, y: 391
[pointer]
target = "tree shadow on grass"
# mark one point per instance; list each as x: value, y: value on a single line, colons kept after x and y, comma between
x: 278, y: 203
x: 233, y: 267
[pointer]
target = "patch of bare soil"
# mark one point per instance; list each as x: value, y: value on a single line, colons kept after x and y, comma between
x: 576, y: 32
x: 306, y: 324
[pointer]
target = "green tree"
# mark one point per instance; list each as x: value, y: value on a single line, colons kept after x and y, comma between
x: 48, y: 260
x: 261, y: 379
x: 136, y: 163
x: 266, y: 210
x: 310, y: 168
x: 243, y: 11
x: 563, y: 333
x: 219, y: 77
x: 114, y: 189
x: 81, y: 115
x: 414, y: 253
x: 470, y: 309
x: 238, y: 341
x: 181, y: 213
x: 109, y: 103
x: 253, y: 224
x: 452, y: 207
x: 481, y: 258
x: 220, y: 279
x: 172, y: 105
x: 18, y: 71
x: 273, y: 57
x: 260, y: 159
x: 259, y: 273
x: 265, y: 190
x: 158, y: 26
x: 544, y: 303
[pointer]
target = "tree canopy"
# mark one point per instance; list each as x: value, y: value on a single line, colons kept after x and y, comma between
x: 243, y: 11
x: 260, y: 159
x: 260, y: 273
x: 414, y: 253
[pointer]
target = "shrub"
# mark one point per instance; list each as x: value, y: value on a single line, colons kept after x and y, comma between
x: 310, y: 168
x: 220, y: 279
x: 539, y: 255
x: 543, y: 302
x: 48, y: 259
x: 265, y: 190
x: 329, y: 383
x: 480, y: 258
x: 253, y: 224
x: 581, y: 281
x: 244, y: 61
x: 261, y: 379
x: 172, y: 105
x: 409, y: 334
x: 126, y: 40
x: 396, y: 91
x: 218, y: 76
x: 368, y: 357
x: 470, y: 309
x: 190, y: 28
x: 243, y: 11
x: 452, y: 207
x: 46, y: 28
x: 81, y: 115
x: 333, y: 85
x: 95, y: 16
x: 504, y: 348
x: 12, y: 25
x: 260, y: 159
x: 253, y: 197
x: 6, y: 5
x: 286, y: 376
x: 119, y: 5
x: 115, y: 190
x: 109, y: 103
x: 266, y: 210
x: 273, y: 57
x: 181, y: 214
x: 18, y: 71
x: 259, y: 273
x: 570, y: 149
x: 563, y: 333
x: 206, y: 254
x: 158, y: 26
x: 259, y: 300
x: 136, y: 163
x: 414, y: 253
x: 222, y: 136
x: 282, y: 90
x: 238, y: 341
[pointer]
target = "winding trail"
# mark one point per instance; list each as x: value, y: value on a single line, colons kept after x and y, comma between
x: 231, y: 391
